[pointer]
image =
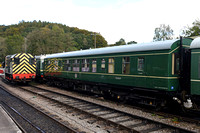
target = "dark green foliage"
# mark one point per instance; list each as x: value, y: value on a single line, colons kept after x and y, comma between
x: 194, y: 30
x: 14, y: 44
x: 120, y: 42
x: 45, y: 38
x: 132, y: 42
x: 3, y: 48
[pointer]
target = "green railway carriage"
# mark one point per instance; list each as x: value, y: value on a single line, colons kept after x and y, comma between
x: 195, y: 67
x: 143, y: 72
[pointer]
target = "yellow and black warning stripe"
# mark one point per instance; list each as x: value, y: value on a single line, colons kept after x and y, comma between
x: 25, y: 64
x: 53, y: 66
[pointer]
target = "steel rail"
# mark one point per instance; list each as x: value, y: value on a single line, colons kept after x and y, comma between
x: 23, y: 117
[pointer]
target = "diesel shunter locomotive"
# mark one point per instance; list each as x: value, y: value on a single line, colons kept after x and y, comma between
x: 20, y: 67
x: 154, y: 74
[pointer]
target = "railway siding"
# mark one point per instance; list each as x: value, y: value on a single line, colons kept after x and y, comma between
x: 144, y: 125
x: 116, y: 117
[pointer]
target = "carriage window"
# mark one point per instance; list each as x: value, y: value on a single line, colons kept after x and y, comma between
x: 85, y: 65
x: 56, y: 62
x: 67, y: 65
x: 175, y: 63
x: 126, y: 65
x: 31, y: 60
x: 76, y: 64
x: 8, y: 63
x: 16, y: 60
x: 94, y: 65
x: 141, y: 64
x: 103, y: 65
x: 111, y: 65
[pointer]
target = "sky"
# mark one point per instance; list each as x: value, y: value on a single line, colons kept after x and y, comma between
x: 132, y: 20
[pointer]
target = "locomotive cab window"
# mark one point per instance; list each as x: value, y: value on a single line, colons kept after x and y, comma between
x: 16, y: 60
x: 141, y: 64
x: 31, y: 61
x: 175, y: 63
x: 126, y: 65
x: 111, y: 65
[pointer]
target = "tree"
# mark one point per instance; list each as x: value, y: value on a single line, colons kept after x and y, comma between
x: 12, y: 31
x: 46, y: 38
x: 163, y: 33
x: 3, y: 49
x: 120, y: 42
x: 85, y: 42
x: 100, y: 41
x: 69, y: 44
x: 48, y: 41
x: 192, y: 31
x: 14, y: 44
x: 132, y: 42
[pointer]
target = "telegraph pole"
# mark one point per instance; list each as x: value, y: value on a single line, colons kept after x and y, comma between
x: 94, y: 39
x: 95, y: 34
x: 25, y: 40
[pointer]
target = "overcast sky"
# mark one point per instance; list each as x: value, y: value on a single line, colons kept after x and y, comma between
x: 133, y: 20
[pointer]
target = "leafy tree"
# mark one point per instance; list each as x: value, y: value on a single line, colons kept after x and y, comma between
x: 132, y: 42
x: 164, y: 32
x: 120, y: 42
x: 12, y: 31
x: 3, y: 48
x: 14, y: 44
x: 192, y: 31
x: 85, y: 42
x: 100, y: 41
x: 47, y: 41
x: 45, y: 38
x: 69, y: 44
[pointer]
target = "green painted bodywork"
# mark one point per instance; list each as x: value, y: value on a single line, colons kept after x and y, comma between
x: 157, y: 73
x: 39, y: 68
x: 195, y: 71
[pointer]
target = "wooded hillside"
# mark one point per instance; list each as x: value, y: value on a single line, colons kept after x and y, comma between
x: 45, y: 38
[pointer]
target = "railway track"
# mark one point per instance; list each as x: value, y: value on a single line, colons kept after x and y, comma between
x: 30, y: 118
x: 112, y: 120
x: 36, y: 128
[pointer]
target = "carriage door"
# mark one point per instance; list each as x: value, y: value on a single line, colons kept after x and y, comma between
x: 141, y: 66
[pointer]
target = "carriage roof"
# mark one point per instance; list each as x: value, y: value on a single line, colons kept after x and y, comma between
x: 159, y: 45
